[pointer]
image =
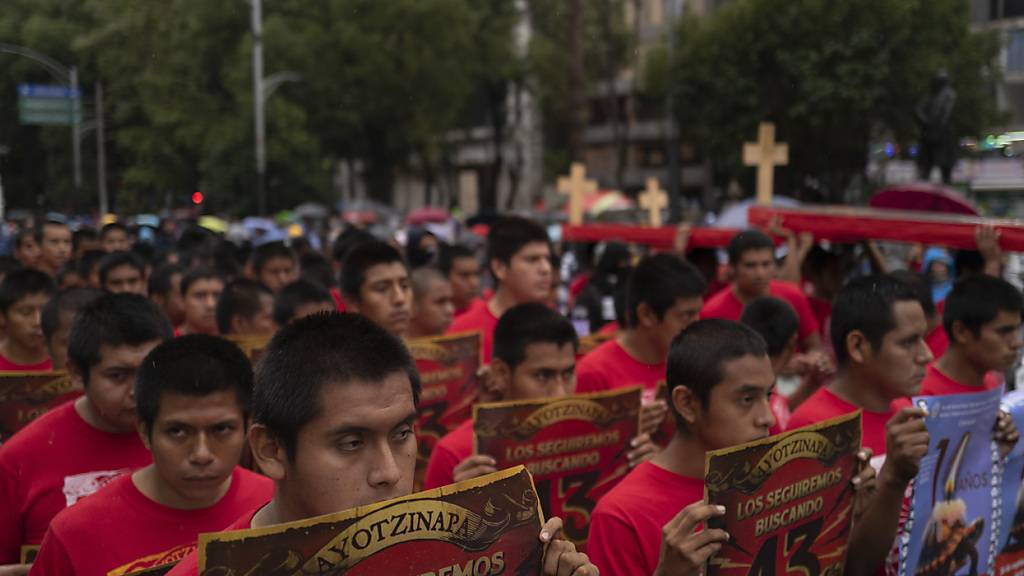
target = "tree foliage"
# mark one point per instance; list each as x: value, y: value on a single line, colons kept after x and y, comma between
x: 833, y: 76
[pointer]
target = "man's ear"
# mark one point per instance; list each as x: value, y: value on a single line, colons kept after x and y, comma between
x: 76, y: 375
x: 645, y: 316
x: 858, y: 347
x: 499, y: 269
x: 268, y: 452
x: 961, y: 334
x: 687, y: 404
x: 144, y: 435
x: 497, y: 385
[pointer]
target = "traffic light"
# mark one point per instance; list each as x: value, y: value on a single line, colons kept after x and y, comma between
x: 197, y: 198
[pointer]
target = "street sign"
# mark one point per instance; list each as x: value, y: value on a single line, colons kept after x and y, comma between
x: 48, y: 104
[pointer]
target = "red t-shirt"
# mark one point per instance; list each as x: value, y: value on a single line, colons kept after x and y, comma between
x: 339, y: 302
x: 448, y: 453
x: 609, y: 367
x: 824, y: 404
x: 478, y: 318
x: 52, y: 463
x: 936, y: 383
x: 726, y: 305
x: 119, y: 530
x: 7, y: 366
x: 189, y: 565
x: 625, y: 528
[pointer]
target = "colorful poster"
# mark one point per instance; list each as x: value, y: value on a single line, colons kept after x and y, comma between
x: 1010, y: 500
x: 949, y: 529
x: 574, y: 446
x: 788, y: 500
x: 25, y: 396
x: 448, y: 367
x: 488, y: 525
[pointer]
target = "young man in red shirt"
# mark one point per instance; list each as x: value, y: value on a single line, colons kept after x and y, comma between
x: 519, y: 258
x: 123, y: 272
x: 200, y: 289
x: 59, y: 315
x: 534, y: 357
x: 23, y: 294
x: 375, y: 283
x: 775, y: 321
x: 73, y: 450
x: 334, y: 406
x: 983, y: 320
x: 245, y: 307
x: 720, y: 380
x: 192, y: 400
x: 54, y: 240
x: 462, y: 268
x: 114, y: 238
x: 300, y: 299
x: 432, y: 306
x: 752, y: 266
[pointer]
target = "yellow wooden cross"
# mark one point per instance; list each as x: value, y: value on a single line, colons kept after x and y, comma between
x: 653, y: 200
x: 766, y: 154
x: 576, y: 187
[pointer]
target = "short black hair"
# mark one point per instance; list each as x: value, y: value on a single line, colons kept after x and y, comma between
x: 111, y: 227
x: 349, y: 238
x: 241, y: 297
x: 114, y: 320
x: 83, y: 233
x: 23, y: 235
x: 118, y: 259
x: 50, y: 222
x: 191, y: 365
x: 774, y: 320
x: 921, y: 287
x: 266, y: 252
x: 21, y: 283
x: 88, y: 262
x: 314, y: 267
x: 976, y: 299
x: 450, y: 253
x: 530, y: 323
x: 510, y: 234
x: 362, y: 258
x: 698, y: 355
x: 296, y: 294
x: 660, y: 281
x: 8, y: 264
x: 324, y: 349
x: 746, y: 241
x: 866, y: 304
x: 161, y: 280
x: 69, y: 300
x: 196, y: 274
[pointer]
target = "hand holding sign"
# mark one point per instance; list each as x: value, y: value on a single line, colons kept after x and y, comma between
x: 906, y: 442
x: 684, y: 550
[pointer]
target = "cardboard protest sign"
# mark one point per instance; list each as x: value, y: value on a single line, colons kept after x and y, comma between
x: 25, y: 396
x: 488, y: 525
x: 448, y: 367
x: 788, y: 500
x: 1010, y: 499
x: 949, y: 529
x: 574, y: 446
x: 251, y: 344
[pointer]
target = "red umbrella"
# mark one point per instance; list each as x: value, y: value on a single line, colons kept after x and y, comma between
x: 426, y: 215
x: 923, y: 197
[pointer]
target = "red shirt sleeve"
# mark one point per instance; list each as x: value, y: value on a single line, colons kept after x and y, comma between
x: 440, y: 468
x: 613, y: 546
x: 53, y: 558
x: 590, y: 377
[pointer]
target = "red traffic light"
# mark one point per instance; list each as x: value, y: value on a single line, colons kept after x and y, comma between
x: 197, y: 197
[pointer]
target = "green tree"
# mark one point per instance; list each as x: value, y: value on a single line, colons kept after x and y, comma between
x: 833, y: 76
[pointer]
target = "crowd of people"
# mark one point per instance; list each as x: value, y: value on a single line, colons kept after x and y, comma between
x: 175, y: 434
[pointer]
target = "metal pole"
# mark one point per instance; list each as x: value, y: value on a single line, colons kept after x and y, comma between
x: 672, y: 140
x: 101, y: 151
x: 258, y: 111
x: 76, y: 144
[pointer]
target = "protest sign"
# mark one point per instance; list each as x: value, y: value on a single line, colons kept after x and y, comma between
x: 488, y: 525
x: 25, y: 396
x: 574, y: 446
x: 788, y: 500
x: 448, y: 367
x: 949, y: 529
x: 1010, y: 499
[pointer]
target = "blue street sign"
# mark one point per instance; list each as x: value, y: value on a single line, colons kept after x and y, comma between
x: 49, y: 91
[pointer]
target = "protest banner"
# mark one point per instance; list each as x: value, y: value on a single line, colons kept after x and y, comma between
x: 488, y: 525
x: 575, y: 447
x: 448, y: 368
x: 660, y: 238
x: 949, y: 528
x: 25, y: 396
x: 1010, y: 499
x: 788, y: 500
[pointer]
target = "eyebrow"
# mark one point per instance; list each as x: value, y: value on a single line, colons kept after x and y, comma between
x: 747, y: 388
x: 344, y: 430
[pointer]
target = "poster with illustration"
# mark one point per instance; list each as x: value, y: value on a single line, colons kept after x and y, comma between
x: 949, y: 529
x: 1010, y: 500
